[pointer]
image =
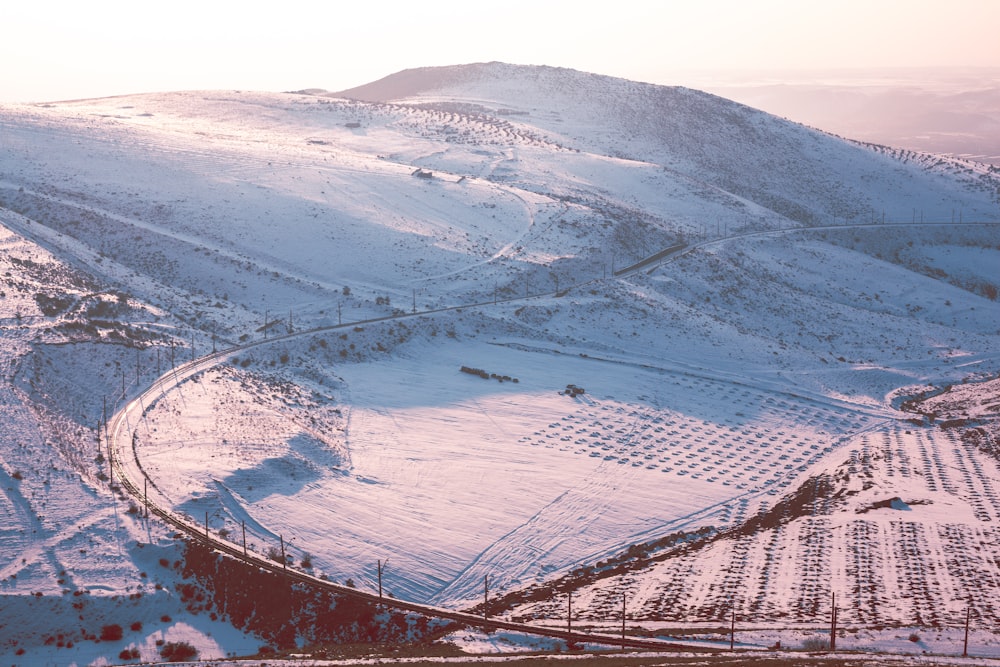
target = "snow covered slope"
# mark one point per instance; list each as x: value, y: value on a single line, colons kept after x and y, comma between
x: 145, y: 230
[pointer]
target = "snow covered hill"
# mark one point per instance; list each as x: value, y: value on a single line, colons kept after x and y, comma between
x: 485, y: 210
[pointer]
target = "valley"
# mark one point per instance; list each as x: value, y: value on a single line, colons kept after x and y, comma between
x: 739, y: 442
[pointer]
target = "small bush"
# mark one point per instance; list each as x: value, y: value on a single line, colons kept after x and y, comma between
x: 816, y: 644
x: 914, y: 637
x: 178, y: 652
x: 136, y: 626
x: 111, y: 633
x: 17, y: 475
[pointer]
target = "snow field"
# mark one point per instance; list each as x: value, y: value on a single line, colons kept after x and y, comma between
x: 716, y: 385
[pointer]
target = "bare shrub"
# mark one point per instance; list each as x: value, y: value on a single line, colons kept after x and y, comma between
x: 816, y: 643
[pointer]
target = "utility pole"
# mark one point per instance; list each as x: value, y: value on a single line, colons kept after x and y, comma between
x: 145, y: 496
x: 381, y: 566
x: 206, y: 525
x: 283, y: 559
x: 339, y: 322
x: 414, y: 300
x: 486, y: 600
x: 732, y: 631
x: 265, y: 324
x: 569, y: 612
x: 965, y: 646
x: 833, y: 621
x: 623, y: 622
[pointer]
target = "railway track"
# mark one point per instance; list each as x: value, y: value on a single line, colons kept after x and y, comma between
x: 127, y: 472
x: 130, y: 476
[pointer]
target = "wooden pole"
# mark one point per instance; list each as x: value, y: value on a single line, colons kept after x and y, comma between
x: 206, y: 525
x: 623, y: 621
x: 486, y: 599
x: 569, y: 612
x: 283, y: 559
x: 833, y: 621
x: 732, y: 632
x: 244, y: 523
x: 965, y: 647
x: 145, y: 496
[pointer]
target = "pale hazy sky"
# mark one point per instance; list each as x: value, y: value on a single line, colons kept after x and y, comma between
x: 64, y: 49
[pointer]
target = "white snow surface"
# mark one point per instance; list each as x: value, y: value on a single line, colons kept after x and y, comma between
x: 775, y: 349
